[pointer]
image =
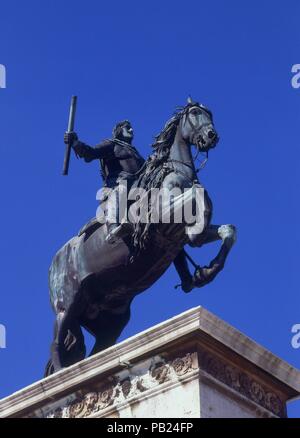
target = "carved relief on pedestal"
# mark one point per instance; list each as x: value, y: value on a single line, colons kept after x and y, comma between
x: 126, y: 386
x: 134, y: 384
x: 242, y: 383
x: 161, y: 373
x: 183, y: 365
x: 90, y: 403
x: 136, y: 381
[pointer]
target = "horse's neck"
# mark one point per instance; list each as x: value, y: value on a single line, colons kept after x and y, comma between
x: 180, y: 153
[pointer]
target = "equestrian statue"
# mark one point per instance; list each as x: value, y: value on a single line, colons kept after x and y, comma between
x: 95, y: 276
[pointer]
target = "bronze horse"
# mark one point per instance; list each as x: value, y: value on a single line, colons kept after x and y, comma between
x: 92, y: 283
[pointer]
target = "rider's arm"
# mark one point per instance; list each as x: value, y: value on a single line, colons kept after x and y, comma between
x: 88, y: 153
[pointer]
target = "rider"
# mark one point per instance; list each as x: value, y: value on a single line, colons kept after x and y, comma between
x: 120, y: 161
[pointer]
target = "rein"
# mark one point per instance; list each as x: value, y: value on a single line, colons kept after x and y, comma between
x: 202, y: 165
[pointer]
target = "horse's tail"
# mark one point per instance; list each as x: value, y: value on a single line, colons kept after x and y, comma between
x: 49, y: 369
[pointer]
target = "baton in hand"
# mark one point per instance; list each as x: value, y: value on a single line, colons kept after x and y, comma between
x: 70, y: 129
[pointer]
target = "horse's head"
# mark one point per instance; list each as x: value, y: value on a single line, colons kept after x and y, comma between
x: 197, y: 126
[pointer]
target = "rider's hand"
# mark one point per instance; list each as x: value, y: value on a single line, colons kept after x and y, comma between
x: 70, y: 137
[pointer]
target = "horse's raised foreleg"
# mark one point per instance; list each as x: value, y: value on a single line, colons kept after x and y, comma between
x: 226, y: 233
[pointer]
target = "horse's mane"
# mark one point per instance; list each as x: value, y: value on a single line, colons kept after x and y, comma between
x: 164, y: 140
x: 153, y: 172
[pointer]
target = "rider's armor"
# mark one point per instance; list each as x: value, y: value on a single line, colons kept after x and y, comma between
x: 119, y: 162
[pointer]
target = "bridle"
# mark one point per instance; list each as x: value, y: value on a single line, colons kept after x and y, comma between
x: 195, y: 130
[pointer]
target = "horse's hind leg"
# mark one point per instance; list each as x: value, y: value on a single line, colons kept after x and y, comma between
x: 74, y: 344
x: 106, y: 328
x: 58, y: 350
x: 68, y: 344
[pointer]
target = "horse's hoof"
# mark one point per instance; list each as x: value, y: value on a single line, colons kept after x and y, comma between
x: 227, y: 232
x: 187, y: 285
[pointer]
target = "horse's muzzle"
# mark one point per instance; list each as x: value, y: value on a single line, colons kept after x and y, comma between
x: 206, y: 139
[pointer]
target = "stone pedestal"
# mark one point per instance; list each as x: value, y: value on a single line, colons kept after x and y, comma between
x: 193, y: 365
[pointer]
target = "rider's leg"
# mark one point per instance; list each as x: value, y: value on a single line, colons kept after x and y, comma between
x: 116, y: 217
x: 112, y: 215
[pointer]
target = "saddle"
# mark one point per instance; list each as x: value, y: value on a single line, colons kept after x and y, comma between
x: 92, y: 225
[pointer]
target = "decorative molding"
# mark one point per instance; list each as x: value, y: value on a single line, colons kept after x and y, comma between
x: 134, y: 384
x: 130, y: 384
x: 242, y: 383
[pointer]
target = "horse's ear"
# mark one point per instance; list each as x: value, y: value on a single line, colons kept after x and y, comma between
x: 189, y: 99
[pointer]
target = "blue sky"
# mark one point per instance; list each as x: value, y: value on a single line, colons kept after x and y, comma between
x: 139, y: 60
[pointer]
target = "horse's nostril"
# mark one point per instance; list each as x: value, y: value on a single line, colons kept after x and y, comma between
x: 211, y: 134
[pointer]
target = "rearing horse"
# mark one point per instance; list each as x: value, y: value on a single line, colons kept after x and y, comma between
x: 92, y: 283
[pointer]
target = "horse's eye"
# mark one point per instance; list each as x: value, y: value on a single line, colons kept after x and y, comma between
x: 195, y: 112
